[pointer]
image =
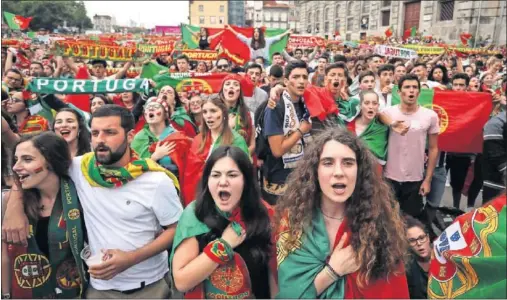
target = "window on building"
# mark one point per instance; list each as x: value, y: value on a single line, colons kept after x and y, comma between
x: 201, y: 20
x: 267, y: 16
x: 326, y: 26
x: 221, y: 20
x: 309, y: 19
x: 350, y: 24
x: 201, y: 8
x: 446, y: 10
x: 366, y: 7
x: 347, y: 37
x: 386, y: 3
x: 337, y: 11
x: 222, y: 8
x: 279, y: 17
x: 349, y: 9
x: 283, y: 25
x: 385, y: 17
x: 337, y: 25
x: 317, y: 17
x: 212, y: 20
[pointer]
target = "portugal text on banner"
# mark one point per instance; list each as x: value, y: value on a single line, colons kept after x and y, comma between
x: 78, y: 86
x: 90, y: 51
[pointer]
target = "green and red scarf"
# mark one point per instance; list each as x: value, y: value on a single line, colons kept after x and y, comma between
x: 61, y: 274
x: 99, y: 175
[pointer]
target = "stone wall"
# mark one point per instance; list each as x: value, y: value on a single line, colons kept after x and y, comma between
x: 465, y: 18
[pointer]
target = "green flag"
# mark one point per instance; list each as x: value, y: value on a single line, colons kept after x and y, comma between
x: 17, y: 22
x: 152, y: 69
x: 187, y: 37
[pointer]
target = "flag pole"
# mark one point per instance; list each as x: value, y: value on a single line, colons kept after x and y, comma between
x: 478, y: 24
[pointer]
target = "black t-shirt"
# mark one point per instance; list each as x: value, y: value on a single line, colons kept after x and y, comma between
x: 203, y: 43
x: 417, y: 280
x: 41, y: 235
x: 273, y: 168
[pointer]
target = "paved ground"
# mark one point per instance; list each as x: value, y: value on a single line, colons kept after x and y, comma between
x: 447, y: 199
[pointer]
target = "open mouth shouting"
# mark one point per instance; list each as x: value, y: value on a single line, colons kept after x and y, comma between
x: 102, y: 150
x: 339, y: 188
x: 23, y: 177
x: 65, y: 133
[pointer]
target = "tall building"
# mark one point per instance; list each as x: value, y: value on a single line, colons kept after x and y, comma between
x: 237, y: 12
x: 275, y: 15
x: 294, y: 18
x: 444, y: 19
x: 102, y: 23
x: 208, y: 13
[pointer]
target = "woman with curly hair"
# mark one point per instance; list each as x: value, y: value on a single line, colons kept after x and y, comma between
x: 439, y: 74
x: 340, y: 234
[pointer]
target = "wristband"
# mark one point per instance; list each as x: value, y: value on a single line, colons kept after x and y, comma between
x: 219, y: 251
x: 330, y: 273
x: 299, y: 130
x: 332, y: 270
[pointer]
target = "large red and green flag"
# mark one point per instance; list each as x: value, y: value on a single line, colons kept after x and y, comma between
x: 17, y: 22
x: 461, y: 115
x: 465, y: 38
x: 469, y: 260
x: 188, y: 82
x: 189, y: 36
x: 411, y: 32
x: 240, y: 52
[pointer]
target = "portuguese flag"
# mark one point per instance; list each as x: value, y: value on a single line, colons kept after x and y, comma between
x: 389, y: 32
x: 17, y: 22
x: 462, y: 116
x: 469, y: 257
x: 188, y: 82
x: 192, y: 41
x: 240, y: 53
x: 411, y: 32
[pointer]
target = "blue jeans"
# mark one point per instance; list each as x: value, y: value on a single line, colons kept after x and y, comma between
x: 437, y: 187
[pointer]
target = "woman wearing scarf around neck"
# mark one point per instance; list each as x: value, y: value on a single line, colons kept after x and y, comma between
x: 240, y: 118
x: 180, y: 120
x: 340, y: 235
x: 152, y: 141
x: 368, y: 127
x: 55, y: 218
x: 223, y: 244
x: 214, y: 133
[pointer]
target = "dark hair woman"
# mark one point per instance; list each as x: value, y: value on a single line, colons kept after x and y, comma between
x: 240, y: 118
x: 419, y: 264
x: 70, y: 125
x: 340, y: 233
x: 227, y: 229
x: 215, y: 132
x: 439, y: 74
x: 53, y: 210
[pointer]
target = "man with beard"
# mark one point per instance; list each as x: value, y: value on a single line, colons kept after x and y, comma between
x: 420, y: 249
x: 131, y: 209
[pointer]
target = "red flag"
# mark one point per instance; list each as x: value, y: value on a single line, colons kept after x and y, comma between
x: 389, y: 32
x: 81, y: 101
x: 23, y: 22
x: 406, y: 34
x: 465, y: 37
x: 233, y: 48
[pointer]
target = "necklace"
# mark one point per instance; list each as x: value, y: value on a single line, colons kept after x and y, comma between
x: 334, y: 218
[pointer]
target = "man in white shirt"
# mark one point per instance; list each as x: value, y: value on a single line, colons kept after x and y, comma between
x: 131, y: 220
x: 421, y: 72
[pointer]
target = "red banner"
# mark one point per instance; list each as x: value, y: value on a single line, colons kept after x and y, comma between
x: 305, y: 41
x: 199, y: 54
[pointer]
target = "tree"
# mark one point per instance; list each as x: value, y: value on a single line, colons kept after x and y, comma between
x: 50, y: 14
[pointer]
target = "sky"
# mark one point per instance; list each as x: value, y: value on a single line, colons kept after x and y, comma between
x: 146, y: 13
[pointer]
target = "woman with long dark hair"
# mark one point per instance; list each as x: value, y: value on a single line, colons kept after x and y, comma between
x: 204, y: 37
x: 213, y: 134
x: 340, y: 234
x: 56, y: 225
x: 240, y: 118
x: 227, y: 230
x: 439, y: 74
x: 69, y: 124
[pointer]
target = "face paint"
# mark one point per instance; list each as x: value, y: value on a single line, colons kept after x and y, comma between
x: 38, y: 170
x: 159, y: 113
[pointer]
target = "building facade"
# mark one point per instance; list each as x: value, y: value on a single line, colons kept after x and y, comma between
x: 208, y: 13
x: 275, y: 15
x: 102, y: 23
x: 294, y: 17
x: 444, y: 19
x: 237, y: 12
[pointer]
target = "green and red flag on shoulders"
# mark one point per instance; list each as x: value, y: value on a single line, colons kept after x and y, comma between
x: 469, y: 258
x: 17, y: 22
x: 239, y: 52
x: 465, y: 38
x: 461, y: 115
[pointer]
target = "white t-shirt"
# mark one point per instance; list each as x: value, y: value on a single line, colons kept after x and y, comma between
x: 128, y: 218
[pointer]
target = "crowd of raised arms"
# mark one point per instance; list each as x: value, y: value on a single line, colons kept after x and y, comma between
x: 314, y: 173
